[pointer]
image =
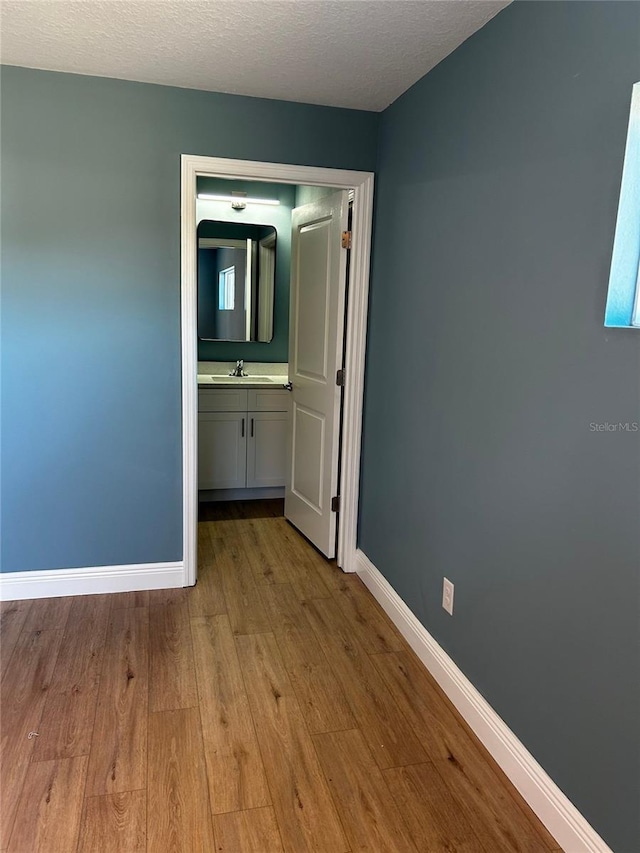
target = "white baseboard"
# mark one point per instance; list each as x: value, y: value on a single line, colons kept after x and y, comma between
x: 53, y: 583
x: 555, y: 810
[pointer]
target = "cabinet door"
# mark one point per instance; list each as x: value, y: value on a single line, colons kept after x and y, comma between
x: 222, y: 450
x: 267, y: 449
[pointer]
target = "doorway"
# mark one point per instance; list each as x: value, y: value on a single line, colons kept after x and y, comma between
x: 355, y: 332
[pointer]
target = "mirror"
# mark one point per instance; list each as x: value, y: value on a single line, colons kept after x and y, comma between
x: 236, y: 281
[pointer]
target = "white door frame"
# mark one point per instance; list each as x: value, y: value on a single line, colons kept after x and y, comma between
x: 355, y: 343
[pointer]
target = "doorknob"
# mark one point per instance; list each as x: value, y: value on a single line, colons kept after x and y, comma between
x: 288, y: 387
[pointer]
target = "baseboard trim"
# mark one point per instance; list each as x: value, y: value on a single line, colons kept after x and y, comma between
x: 555, y: 810
x: 53, y: 583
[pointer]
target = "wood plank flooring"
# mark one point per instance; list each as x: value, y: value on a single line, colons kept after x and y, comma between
x: 273, y: 708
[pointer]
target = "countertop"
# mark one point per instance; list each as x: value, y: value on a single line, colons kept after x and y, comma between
x: 215, y: 374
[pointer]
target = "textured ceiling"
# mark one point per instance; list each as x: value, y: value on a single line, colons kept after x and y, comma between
x: 348, y: 53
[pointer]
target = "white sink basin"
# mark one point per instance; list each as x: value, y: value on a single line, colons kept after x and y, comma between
x: 245, y: 380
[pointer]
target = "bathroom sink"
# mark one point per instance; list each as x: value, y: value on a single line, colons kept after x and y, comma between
x: 249, y: 380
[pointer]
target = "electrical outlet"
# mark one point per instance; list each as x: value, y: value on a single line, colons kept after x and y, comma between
x: 447, y: 595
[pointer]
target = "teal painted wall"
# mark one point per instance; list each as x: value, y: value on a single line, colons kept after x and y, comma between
x: 277, y: 350
x: 91, y: 419
x: 488, y: 362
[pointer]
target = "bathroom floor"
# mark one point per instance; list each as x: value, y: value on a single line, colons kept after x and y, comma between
x: 273, y: 707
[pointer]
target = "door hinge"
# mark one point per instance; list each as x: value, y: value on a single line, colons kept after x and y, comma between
x: 346, y: 239
x: 340, y: 378
x: 335, y: 504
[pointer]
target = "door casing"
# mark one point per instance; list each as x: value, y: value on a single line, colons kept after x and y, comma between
x: 361, y: 183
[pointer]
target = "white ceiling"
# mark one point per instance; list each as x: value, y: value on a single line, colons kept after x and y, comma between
x: 348, y: 53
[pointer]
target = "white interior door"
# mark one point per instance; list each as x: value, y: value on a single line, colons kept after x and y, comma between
x: 316, y: 339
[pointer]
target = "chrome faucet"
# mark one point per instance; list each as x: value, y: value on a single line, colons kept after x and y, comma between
x: 239, y: 369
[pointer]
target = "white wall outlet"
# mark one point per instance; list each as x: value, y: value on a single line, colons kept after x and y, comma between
x: 447, y: 595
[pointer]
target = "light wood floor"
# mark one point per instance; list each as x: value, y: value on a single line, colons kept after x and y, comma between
x: 271, y: 708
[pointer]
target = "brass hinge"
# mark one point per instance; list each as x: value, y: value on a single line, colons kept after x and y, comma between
x: 335, y: 504
x: 346, y: 239
x: 340, y: 379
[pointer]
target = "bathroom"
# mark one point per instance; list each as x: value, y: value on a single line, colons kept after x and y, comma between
x: 245, y: 232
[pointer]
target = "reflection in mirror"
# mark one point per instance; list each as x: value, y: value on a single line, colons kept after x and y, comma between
x: 236, y: 281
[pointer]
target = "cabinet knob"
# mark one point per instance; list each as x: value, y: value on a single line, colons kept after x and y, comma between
x: 288, y: 387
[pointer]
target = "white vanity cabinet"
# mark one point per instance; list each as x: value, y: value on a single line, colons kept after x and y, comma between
x: 242, y: 440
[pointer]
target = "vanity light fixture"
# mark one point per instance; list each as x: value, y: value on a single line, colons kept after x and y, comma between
x: 238, y: 199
